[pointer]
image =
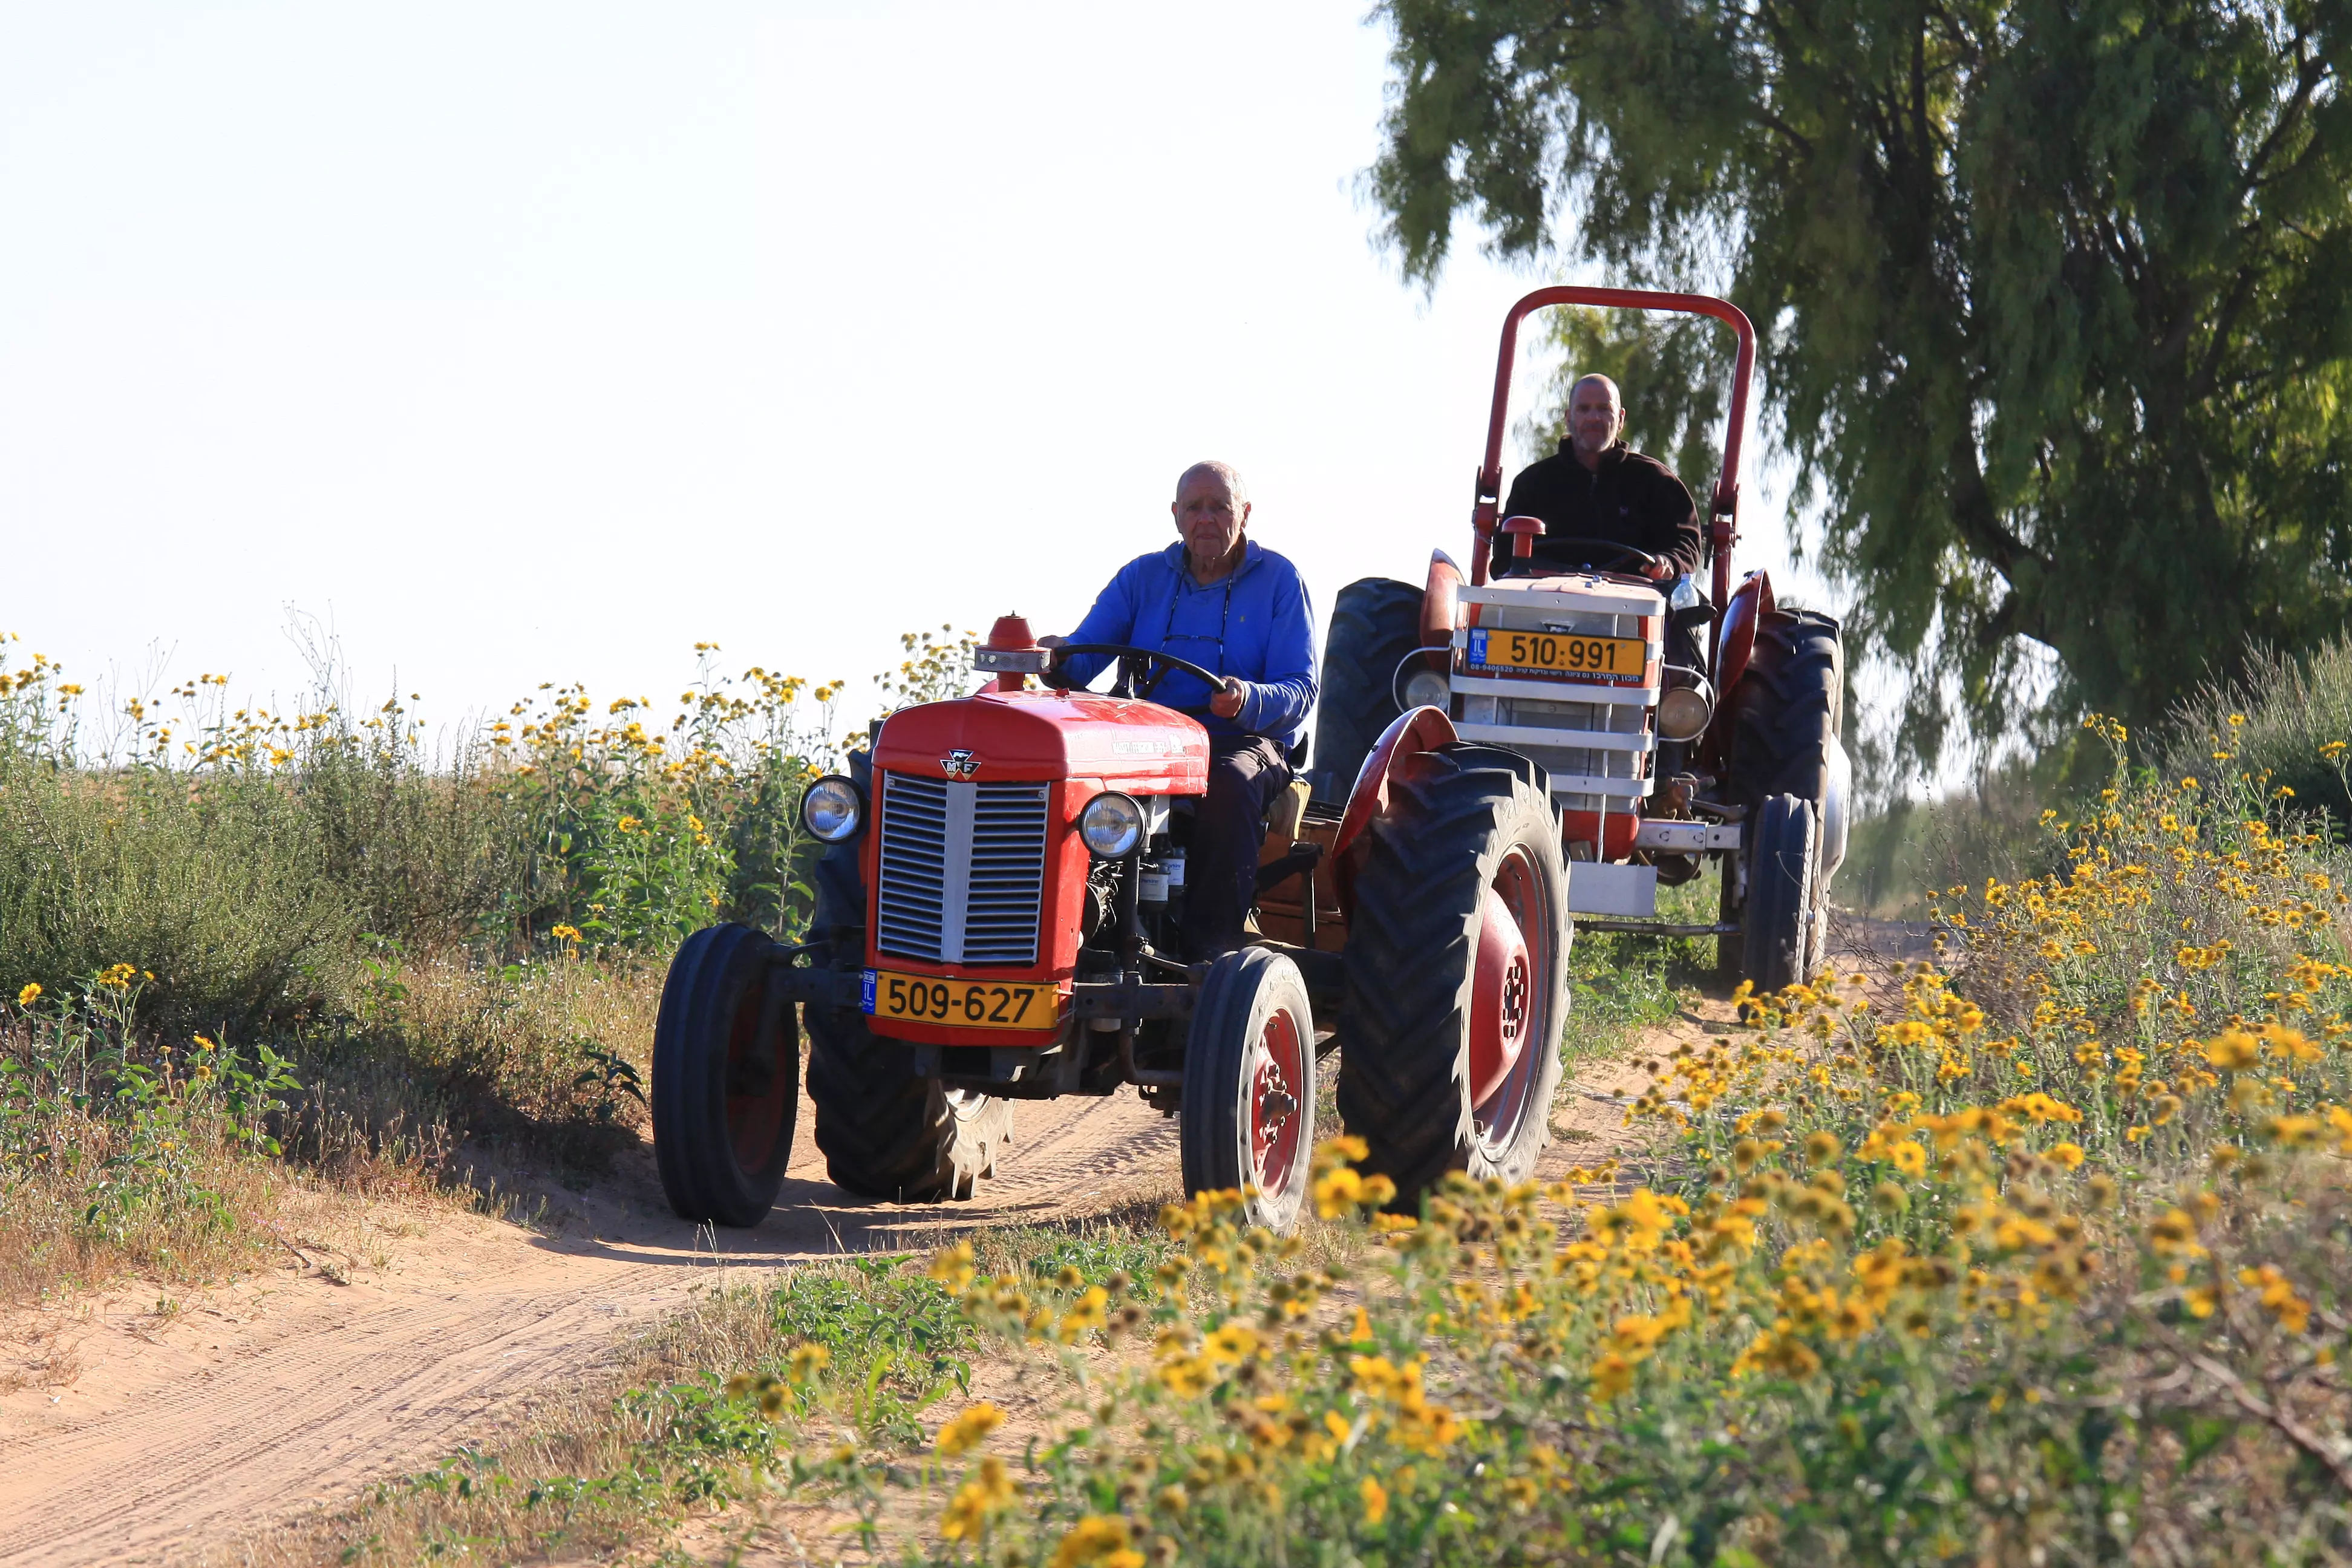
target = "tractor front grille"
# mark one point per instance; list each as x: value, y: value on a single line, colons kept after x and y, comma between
x: 962, y: 870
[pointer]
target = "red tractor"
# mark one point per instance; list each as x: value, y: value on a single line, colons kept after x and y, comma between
x: 1497, y: 760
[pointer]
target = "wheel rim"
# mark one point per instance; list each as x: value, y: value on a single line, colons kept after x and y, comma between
x: 1520, y: 998
x: 1272, y: 1077
x: 756, y: 1081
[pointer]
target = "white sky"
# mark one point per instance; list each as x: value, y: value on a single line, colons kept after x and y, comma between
x: 532, y: 343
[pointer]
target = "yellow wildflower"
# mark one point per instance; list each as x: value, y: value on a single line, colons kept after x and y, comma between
x: 1097, y: 1541
x: 965, y: 1433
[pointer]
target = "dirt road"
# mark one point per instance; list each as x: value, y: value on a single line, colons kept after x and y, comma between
x: 180, y: 1424
x: 201, y: 1420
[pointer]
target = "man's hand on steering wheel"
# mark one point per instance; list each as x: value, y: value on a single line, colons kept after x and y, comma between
x: 1609, y: 555
x: 1227, y: 693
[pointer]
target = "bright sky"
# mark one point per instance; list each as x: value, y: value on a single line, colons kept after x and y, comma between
x: 529, y: 343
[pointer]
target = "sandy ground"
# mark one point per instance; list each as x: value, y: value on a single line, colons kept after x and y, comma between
x: 151, y: 1426
x: 141, y: 1427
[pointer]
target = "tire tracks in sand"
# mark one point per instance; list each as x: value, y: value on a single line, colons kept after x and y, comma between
x: 285, y: 1391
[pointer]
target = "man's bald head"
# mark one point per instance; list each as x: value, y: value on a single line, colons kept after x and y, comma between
x: 1225, y: 471
x: 1595, y: 418
x: 1211, y: 507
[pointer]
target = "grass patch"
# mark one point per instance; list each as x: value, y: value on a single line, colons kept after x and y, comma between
x: 1622, y: 984
x: 429, y: 945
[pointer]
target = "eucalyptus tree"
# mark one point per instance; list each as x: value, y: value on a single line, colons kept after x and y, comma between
x: 2055, y: 294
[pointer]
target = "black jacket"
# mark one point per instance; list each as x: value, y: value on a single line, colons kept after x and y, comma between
x: 1628, y: 500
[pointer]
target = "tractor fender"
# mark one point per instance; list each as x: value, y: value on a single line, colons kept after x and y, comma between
x: 1835, y: 813
x: 1415, y: 730
x: 1438, y: 602
x: 1750, y: 603
x: 1735, y: 644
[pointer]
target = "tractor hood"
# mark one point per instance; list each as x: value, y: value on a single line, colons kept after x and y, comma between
x: 1139, y: 747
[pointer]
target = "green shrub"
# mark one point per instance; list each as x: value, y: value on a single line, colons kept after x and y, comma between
x: 212, y: 883
x: 2274, y: 723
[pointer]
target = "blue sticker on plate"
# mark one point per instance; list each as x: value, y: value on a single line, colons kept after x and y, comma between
x: 865, y: 995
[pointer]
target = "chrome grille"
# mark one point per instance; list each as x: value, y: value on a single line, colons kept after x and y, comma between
x: 911, y: 904
x: 1002, y: 904
x: 962, y: 870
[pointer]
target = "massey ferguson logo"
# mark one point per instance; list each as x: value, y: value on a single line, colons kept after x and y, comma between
x: 959, y: 764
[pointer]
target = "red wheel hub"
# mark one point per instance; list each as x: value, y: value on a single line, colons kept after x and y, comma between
x: 1500, y: 995
x: 1278, y: 1119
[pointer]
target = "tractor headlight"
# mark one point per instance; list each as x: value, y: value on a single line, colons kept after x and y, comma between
x: 1111, y: 825
x: 832, y: 809
x: 1683, y: 711
x: 1428, y: 689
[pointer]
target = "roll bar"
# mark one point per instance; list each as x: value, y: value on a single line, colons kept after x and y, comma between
x: 1723, y: 509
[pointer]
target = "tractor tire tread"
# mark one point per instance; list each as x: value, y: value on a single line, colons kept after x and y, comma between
x: 1788, y: 709
x: 886, y: 1132
x: 1375, y: 622
x: 1410, y: 944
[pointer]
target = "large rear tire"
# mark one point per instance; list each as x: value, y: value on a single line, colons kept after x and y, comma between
x: 1456, y: 972
x: 887, y: 1132
x: 726, y: 1077
x: 1783, y: 854
x: 1786, y: 715
x: 1374, y: 624
x: 1249, y: 1085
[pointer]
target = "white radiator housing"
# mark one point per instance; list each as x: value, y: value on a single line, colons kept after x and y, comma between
x: 1592, y: 736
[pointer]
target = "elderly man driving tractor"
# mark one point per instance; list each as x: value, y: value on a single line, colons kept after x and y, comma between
x: 1220, y: 600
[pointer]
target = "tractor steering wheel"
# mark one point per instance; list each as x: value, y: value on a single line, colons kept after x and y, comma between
x: 1168, y: 663
x: 1614, y: 554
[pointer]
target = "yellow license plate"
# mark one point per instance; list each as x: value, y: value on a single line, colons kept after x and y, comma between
x: 960, y: 1004
x: 1558, y: 651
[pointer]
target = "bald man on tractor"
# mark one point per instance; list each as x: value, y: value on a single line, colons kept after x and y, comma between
x: 1598, y: 490
x: 1222, y: 601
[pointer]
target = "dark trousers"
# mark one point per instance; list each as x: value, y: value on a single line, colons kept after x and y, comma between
x: 1228, y: 830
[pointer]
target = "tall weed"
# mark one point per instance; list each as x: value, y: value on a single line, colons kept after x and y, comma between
x: 2273, y: 722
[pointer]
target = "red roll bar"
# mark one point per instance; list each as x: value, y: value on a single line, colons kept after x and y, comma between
x: 1724, y: 525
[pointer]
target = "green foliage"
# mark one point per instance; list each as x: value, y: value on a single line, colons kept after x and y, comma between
x: 128, y: 1135
x: 240, y: 854
x: 1948, y: 1270
x: 1621, y: 984
x: 896, y: 1341
x: 1672, y: 371
x: 2284, y: 720
x: 215, y: 884
x: 2056, y: 300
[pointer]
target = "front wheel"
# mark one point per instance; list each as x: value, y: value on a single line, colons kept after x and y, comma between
x: 1779, y: 919
x: 1456, y: 971
x: 726, y: 1077
x: 1249, y: 1085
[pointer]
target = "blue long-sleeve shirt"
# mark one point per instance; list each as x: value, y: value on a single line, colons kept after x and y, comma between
x: 1255, y: 625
